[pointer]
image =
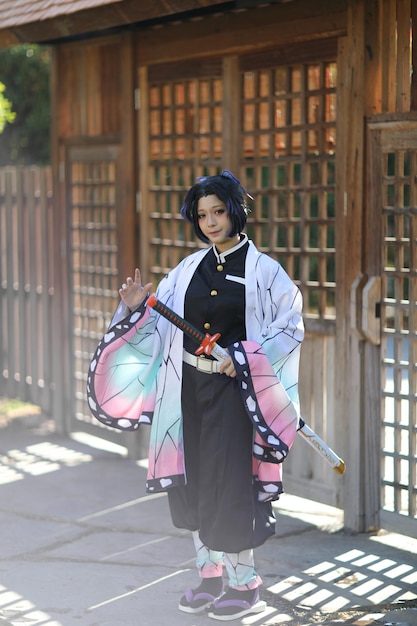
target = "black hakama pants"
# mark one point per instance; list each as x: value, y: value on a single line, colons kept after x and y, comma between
x: 219, y: 498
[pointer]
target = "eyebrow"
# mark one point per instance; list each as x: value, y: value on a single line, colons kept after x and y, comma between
x: 215, y: 206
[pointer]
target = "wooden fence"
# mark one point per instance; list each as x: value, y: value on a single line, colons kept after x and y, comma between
x: 27, y: 275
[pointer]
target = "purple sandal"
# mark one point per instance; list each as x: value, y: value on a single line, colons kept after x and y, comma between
x: 197, y: 600
x: 232, y: 605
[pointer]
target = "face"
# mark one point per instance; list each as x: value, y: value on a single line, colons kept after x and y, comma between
x: 214, y: 222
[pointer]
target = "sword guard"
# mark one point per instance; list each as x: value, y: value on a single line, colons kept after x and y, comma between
x: 207, y: 344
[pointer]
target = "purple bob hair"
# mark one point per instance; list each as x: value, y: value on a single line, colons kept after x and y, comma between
x: 229, y: 190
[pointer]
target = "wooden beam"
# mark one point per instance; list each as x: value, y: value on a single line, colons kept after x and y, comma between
x: 236, y: 33
x: 8, y: 38
x: 308, y: 51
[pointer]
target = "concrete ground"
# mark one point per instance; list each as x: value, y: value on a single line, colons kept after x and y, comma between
x: 81, y: 543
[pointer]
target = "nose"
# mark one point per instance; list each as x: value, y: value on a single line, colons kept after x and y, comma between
x: 211, y: 219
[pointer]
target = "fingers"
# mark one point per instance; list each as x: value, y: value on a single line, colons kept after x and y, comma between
x: 227, y: 367
x: 132, y: 292
x: 136, y: 281
x: 147, y: 288
x: 126, y: 286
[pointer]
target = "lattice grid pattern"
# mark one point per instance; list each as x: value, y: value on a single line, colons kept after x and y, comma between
x: 185, y: 140
x: 94, y: 265
x: 288, y: 162
x: 399, y: 333
x: 289, y: 142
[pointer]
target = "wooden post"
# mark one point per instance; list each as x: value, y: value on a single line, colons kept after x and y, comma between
x: 60, y: 324
x: 403, y: 56
x: 388, y: 52
x: 373, y: 53
x: 126, y: 210
x: 350, y: 134
x: 413, y: 101
x: 143, y: 146
x: 372, y: 352
x: 377, y: 75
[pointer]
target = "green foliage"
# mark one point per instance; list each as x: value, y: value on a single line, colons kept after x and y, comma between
x: 25, y: 71
x: 7, y: 116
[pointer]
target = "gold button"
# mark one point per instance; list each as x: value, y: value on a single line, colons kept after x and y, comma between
x: 220, y: 268
x: 207, y: 326
x: 213, y: 292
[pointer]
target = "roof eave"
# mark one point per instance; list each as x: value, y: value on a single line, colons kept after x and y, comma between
x: 91, y: 21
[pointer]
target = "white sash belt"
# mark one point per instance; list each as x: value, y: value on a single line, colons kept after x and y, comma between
x: 201, y: 363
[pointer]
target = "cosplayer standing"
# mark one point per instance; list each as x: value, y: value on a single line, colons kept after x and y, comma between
x: 219, y: 431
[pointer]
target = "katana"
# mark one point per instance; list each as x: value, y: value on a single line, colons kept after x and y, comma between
x: 208, y: 345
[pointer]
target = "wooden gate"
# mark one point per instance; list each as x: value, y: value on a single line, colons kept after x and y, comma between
x: 393, y: 291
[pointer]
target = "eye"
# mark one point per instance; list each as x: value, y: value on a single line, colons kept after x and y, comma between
x: 220, y: 211
x: 200, y: 215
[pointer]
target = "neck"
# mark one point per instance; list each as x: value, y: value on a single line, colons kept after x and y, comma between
x: 227, y: 245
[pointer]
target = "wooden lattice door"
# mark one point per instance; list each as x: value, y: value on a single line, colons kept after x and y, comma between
x: 394, y: 212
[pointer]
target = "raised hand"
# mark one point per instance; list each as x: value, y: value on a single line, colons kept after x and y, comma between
x: 132, y: 292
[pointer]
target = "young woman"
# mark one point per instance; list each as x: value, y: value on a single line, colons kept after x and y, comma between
x: 219, y: 430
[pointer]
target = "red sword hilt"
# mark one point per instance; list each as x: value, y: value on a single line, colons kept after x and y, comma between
x: 207, y: 342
